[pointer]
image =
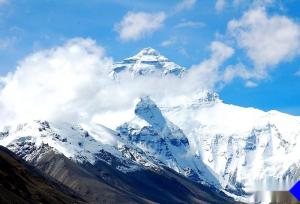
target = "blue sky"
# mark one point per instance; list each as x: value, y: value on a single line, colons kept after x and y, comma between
x: 184, y: 34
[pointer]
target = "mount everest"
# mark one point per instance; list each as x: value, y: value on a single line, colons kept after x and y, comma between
x: 220, y: 146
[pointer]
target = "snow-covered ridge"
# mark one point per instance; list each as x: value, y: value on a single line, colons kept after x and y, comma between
x: 157, y: 136
x: 31, y: 139
x: 147, y: 62
x: 236, y: 149
x: 246, y: 147
x: 243, y: 149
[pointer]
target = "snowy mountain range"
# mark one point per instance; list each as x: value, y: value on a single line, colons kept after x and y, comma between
x: 237, y: 150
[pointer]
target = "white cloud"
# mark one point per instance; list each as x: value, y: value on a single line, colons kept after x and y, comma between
x: 220, y: 5
x: 234, y: 71
x: 190, y: 24
x: 209, y: 70
x: 267, y: 40
x: 136, y: 25
x: 220, y: 52
x: 185, y: 4
x: 72, y: 83
x: 54, y: 83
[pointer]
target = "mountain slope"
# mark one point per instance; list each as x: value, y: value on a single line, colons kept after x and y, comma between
x: 244, y: 148
x: 157, y: 136
x: 243, y: 145
x: 101, y: 173
x: 207, y: 143
x: 100, y: 183
x: 20, y: 183
x: 83, y: 181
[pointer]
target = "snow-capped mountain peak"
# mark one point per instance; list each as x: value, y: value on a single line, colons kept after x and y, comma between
x: 148, y: 110
x: 236, y: 149
x: 147, y: 62
x: 151, y: 131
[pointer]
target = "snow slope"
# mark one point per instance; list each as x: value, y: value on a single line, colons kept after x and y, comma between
x: 31, y: 140
x: 243, y: 145
x: 243, y: 150
x: 237, y: 149
x: 248, y: 149
x: 156, y: 136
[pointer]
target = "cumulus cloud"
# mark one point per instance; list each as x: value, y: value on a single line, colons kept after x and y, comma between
x: 239, y: 71
x: 209, y: 70
x: 136, y: 25
x: 185, y: 4
x: 72, y: 83
x: 267, y: 40
x: 55, y: 83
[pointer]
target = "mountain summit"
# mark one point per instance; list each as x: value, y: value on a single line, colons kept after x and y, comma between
x: 147, y: 62
x: 213, y: 144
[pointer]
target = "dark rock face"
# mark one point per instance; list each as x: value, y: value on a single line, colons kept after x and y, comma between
x: 102, y: 183
x: 83, y: 180
x: 57, y: 179
x: 22, y: 184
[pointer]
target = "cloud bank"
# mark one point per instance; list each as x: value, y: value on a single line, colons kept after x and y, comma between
x: 72, y: 83
x: 54, y: 83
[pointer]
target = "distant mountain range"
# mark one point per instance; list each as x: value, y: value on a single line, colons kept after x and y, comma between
x: 200, y: 150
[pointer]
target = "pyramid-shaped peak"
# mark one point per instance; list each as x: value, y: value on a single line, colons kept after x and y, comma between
x: 148, y: 62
